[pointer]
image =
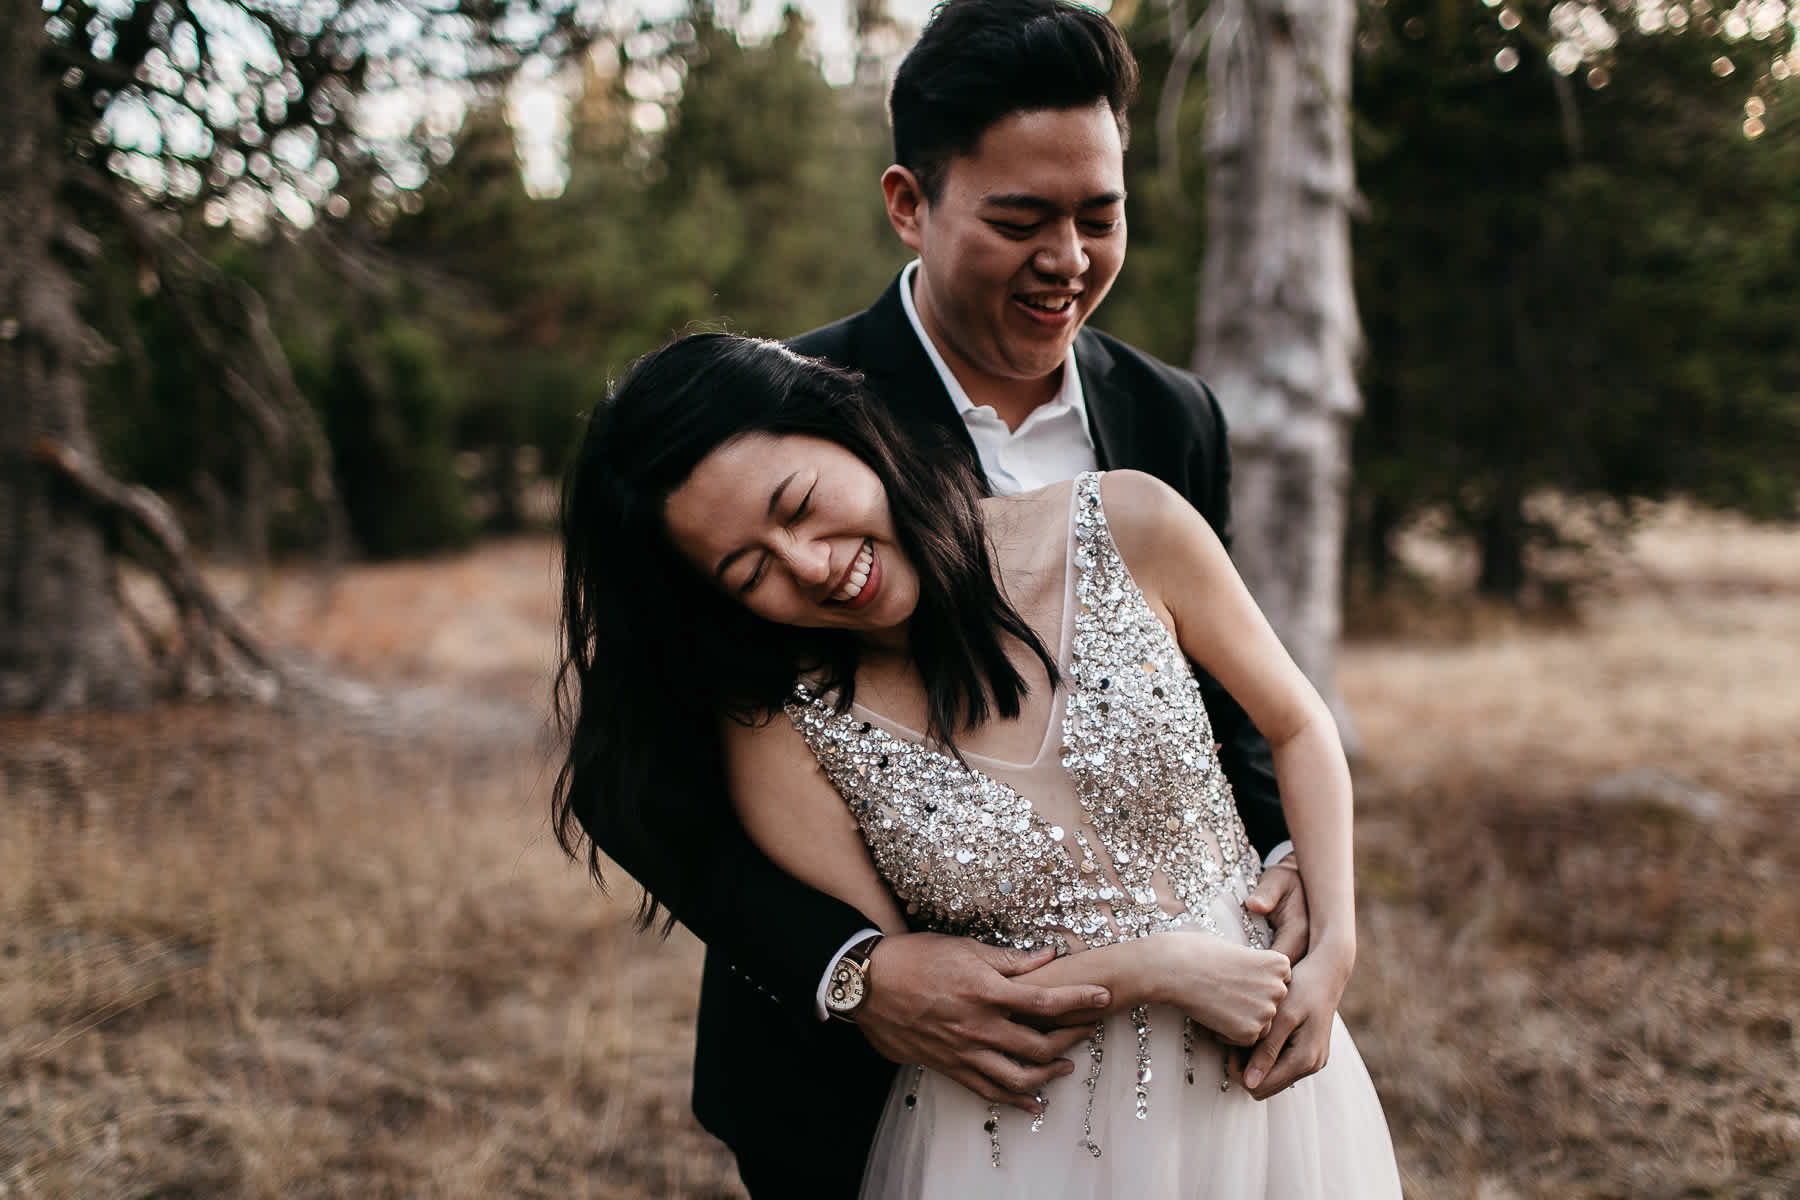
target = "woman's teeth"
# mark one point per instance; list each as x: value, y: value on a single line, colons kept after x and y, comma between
x: 859, y: 575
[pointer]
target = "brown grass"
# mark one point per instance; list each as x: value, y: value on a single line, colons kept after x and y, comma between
x: 245, y: 954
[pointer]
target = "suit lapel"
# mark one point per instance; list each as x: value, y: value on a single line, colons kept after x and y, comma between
x: 901, y: 373
x: 898, y: 369
x: 1112, y: 418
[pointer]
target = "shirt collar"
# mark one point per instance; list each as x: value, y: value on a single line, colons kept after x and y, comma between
x: 1069, y: 398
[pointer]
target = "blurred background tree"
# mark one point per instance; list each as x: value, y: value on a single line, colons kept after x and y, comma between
x: 129, y: 123
x: 1572, y: 265
x: 1576, y: 268
x: 730, y: 207
x: 291, y: 271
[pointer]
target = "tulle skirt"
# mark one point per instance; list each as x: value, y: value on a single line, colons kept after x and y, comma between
x: 1325, y: 1137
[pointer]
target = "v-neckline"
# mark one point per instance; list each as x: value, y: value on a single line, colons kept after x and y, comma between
x: 1059, y: 698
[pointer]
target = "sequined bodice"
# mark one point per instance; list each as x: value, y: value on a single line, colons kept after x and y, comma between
x: 1123, y: 826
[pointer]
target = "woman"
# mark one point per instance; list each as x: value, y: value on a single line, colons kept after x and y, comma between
x: 973, y: 715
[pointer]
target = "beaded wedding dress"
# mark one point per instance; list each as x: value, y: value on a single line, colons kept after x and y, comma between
x: 1122, y: 827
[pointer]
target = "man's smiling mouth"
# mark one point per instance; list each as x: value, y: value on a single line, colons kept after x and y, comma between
x: 1047, y: 304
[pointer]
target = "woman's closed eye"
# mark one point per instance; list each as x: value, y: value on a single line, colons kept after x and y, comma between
x: 755, y: 577
x: 762, y: 562
x: 805, y: 503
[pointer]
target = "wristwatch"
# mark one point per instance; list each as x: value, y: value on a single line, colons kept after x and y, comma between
x: 849, y: 984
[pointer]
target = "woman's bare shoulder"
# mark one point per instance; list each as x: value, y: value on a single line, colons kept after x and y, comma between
x: 1158, y: 533
x: 1138, y: 505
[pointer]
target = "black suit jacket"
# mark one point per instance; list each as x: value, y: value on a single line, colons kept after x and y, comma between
x: 795, y: 1098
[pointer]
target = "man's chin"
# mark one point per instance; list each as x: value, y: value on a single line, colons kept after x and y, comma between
x: 1037, y: 362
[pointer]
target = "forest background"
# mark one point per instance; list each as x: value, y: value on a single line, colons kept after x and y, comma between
x: 253, y: 951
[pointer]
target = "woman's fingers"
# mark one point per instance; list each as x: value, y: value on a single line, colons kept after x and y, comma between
x: 1306, y: 1052
x: 1268, y: 1050
x: 1071, y: 1004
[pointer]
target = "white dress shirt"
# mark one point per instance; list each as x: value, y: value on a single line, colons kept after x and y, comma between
x: 1051, y: 444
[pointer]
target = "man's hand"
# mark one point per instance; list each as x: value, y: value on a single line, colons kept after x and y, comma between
x: 951, y: 1004
x: 1281, y: 896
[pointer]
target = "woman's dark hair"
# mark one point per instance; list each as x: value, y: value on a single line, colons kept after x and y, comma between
x: 978, y: 61
x: 653, y: 654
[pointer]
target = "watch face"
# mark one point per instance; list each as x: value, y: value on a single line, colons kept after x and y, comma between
x: 846, y: 989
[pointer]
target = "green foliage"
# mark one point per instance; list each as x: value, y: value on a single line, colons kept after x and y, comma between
x: 1570, y: 283
x: 390, y: 414
x: 1568, y: 287
x: 735, y: 215
x: 453, y: 344
x: 1154, y: 304
x: 770, y: 180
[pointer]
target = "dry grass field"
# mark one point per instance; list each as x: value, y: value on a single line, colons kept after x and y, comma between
x: 250, y: 954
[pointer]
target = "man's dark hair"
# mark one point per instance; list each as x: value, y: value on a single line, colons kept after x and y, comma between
x: 655, y: 655
x: 978, y: 61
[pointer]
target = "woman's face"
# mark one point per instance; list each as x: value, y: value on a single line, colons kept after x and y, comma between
x: 798, y: 529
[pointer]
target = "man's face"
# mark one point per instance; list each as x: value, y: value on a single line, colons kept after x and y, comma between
x: 1023, y: 242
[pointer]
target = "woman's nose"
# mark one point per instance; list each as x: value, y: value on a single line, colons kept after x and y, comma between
x: 809, y: 560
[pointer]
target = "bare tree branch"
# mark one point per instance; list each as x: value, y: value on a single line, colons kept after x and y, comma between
x: 203, y: 617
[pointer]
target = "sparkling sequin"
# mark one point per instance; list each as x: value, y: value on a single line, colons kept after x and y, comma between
x: 1157, y: 837
x: 1140, y: 1021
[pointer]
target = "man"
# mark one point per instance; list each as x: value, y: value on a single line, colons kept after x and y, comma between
x: 1008, y: 183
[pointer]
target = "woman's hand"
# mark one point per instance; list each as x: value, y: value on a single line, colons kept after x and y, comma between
x: 1298, y: 1041
x: 1235, y: 991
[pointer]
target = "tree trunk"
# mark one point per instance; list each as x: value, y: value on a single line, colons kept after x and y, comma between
x: 61, y: 642
x: 1502, y: 534
x: 1372, y: 541
x: 1278, y: 333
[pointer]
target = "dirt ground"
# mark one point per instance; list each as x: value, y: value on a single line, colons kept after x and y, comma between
x: 248, y: 953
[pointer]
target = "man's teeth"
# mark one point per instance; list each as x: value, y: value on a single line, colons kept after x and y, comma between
x: 1047, y: 304
x: 859, y: 575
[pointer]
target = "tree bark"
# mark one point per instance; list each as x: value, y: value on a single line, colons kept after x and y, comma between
x: 62, y: 645
x: 1278, y: 333
x: 1502, y: 534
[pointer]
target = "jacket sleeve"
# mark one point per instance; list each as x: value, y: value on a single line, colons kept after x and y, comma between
x: 771, y: 930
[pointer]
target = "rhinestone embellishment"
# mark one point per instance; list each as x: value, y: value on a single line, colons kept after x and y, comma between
x: 1158, y: 837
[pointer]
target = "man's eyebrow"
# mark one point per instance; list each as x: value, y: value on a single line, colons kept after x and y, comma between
x: 774, y: 503
x: 1029, y: 200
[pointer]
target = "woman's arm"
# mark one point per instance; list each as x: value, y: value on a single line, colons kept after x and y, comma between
x: 790, y: 809
x: 1191, y: 583
x: 1232, y: 990
x: 952, y: 1004
x: 794, y: 815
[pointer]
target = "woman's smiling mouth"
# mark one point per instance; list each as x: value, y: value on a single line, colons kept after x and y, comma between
x: 860, y: 582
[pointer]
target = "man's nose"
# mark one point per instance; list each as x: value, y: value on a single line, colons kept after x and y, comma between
x: 1062, y: 254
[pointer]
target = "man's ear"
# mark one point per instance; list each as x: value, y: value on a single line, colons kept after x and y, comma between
x: 906, y: 204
